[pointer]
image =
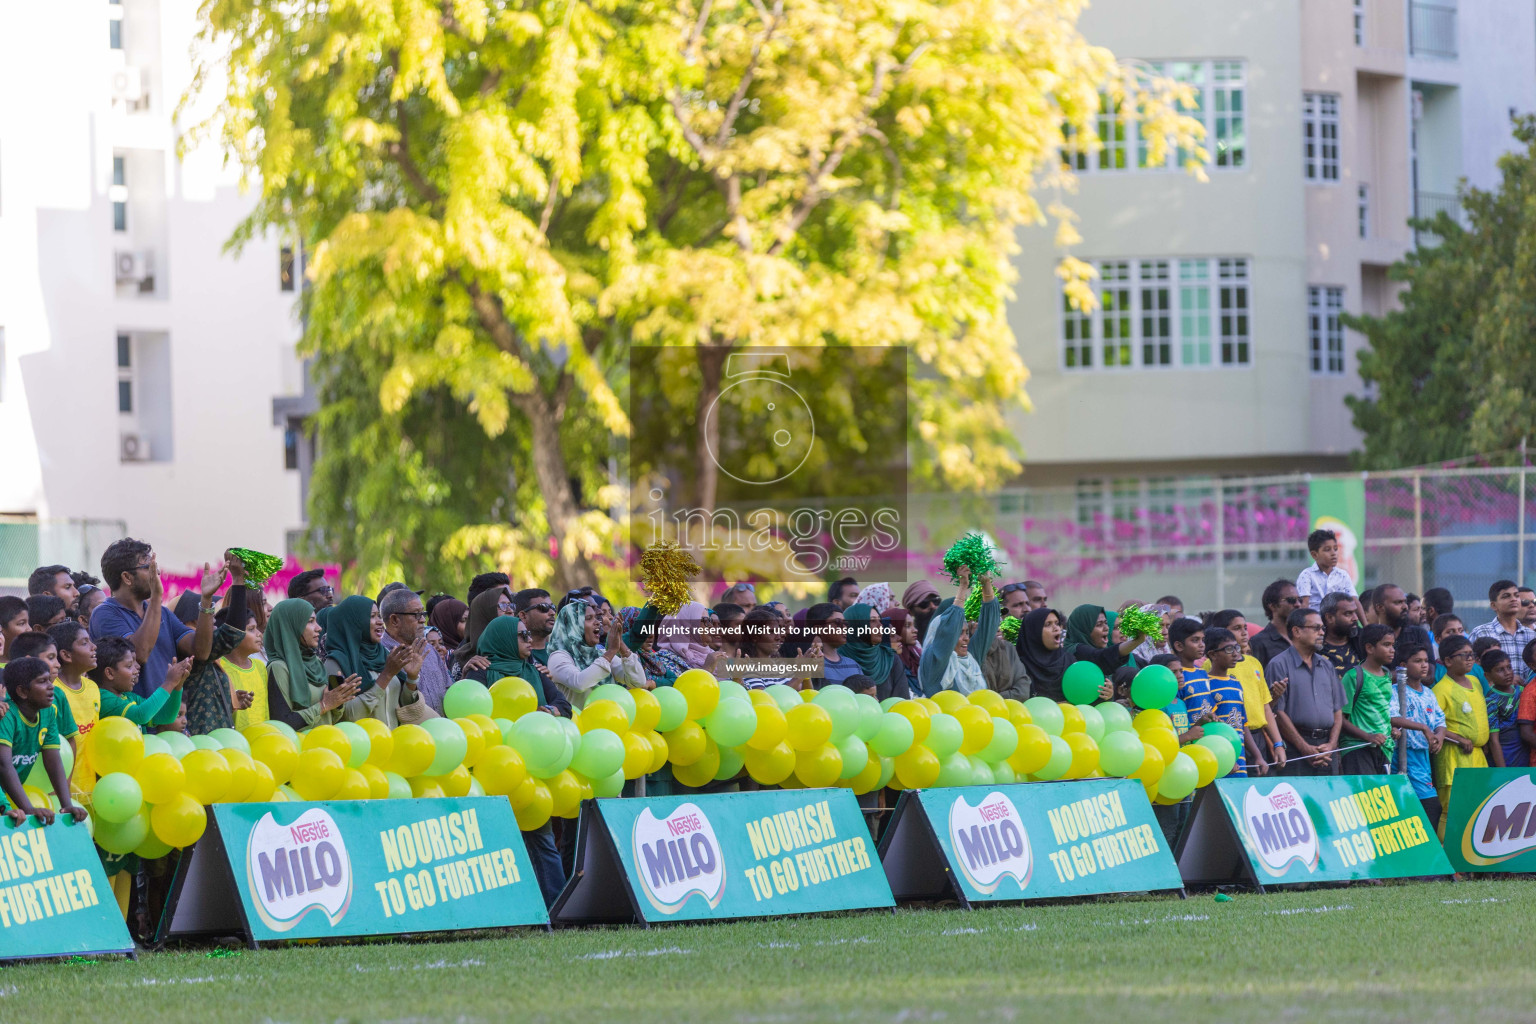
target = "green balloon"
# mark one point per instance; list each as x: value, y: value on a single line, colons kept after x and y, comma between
x: 117, y: 797
x: 1093, y: 722
x: 1226, y: 758
x: 869, y: 716
x: 231, y: 739
x: 1179, y: 778
x: 731, y: 761
x: 206, y: 743
x: 731, y: 724
x: 450, y: 744
x: 1045, y: 713
x: 1227, y: 733
x: 954, y: 770
x: 887, y: 772
x: 785, y: 697
x: 1060, y: 760
x: 1080, y: 683
x: 600, y: 755
x: 505, y: 725
x: 123, y: 837
x: 286, y: 730
x: 475, y: 789
x: 1120, y: 753
x: 467, y: 697
x: 612, y: 785
x: 730, y: 689
x: 1116, y: 717
x: 1003, y: 774
x: 674, y: 708
x: 399, y: 789
x: 855, y: 756
x: 945, y: 734
x: 889, y: 703
x: 839, y: 703
x: 894, y: 735
x: 153, y: 744
x: 153, y: 848
x: 981, y: 772
x: 1154, y: 687
x: 181, y: 745
x: 1005, y: 740
x: 362, y: 743
x: 616, y: 693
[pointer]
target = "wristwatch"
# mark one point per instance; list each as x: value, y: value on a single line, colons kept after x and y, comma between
x: 1279, y: 743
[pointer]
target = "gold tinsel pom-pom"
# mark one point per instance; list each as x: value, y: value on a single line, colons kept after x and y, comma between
x: 664, y: 572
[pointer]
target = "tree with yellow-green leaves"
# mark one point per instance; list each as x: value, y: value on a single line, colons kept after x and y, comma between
x: 499, y: 198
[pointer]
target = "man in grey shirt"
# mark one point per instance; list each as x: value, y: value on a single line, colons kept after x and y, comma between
x: 1310, y: 712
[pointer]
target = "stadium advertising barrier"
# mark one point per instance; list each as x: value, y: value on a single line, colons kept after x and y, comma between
x: 720, y: 856
x: 1026, y: 842
x: 1287, y: 831
x: 280, y: 871
x: 54, y: 897
x: 1491, y: 824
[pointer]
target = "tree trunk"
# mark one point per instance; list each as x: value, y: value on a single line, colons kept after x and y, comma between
x: 554, y: 479
x: 711, y: 368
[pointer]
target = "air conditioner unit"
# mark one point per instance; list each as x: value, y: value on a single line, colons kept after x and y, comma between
x: 133, y: 447
x: 136, y: 266
x: 127, y: 85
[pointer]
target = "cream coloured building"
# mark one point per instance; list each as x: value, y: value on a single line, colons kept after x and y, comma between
x: 1217, y: 348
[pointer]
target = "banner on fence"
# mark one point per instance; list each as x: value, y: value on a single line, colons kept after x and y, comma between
x: 1338, y: 504
x: 1026, y: 842
x: 1308, y: 829
x: 54, y: 898
x: 1491, y: 823
x: 272, y: 872
x: 722, y: 855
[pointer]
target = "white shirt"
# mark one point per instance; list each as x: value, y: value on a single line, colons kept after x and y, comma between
x: 576, y: 683
x: 1313, y: 585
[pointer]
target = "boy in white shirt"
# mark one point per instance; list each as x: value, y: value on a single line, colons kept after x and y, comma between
x: 1323, y: 576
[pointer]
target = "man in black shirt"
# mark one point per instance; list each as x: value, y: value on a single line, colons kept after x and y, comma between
x: 1341, y: 640
x: 1280, y: 599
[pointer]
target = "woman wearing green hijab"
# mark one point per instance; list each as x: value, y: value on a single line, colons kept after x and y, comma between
x: 296, y: 680
x: 577, y: 662
x: 871, y: 650
x: 1087, y: 625
x: 386, y: 680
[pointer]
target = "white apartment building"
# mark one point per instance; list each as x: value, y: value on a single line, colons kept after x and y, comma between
x: 1218, y: 349
x: 139, y: 362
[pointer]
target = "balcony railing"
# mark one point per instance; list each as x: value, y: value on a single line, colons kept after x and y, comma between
x: 1432, y: 30
x: 1429, y: 205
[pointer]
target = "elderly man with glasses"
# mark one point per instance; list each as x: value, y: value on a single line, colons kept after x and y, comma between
x: 1019, y: 599
x: 405, y: 618
x: 1310, y: 712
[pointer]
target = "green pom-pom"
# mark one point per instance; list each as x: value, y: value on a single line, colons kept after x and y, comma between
x: 973, y: 551
x: 973, y: 605
x: 1135, y: 622
x: 1010, y: 628
x: 258, y: 567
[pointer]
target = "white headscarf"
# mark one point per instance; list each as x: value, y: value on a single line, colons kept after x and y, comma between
x: 877, y: 596
x: 962, y: 674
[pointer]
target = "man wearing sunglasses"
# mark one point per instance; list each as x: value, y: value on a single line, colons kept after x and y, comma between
x: 536, y: 610
x: 1280, y: 599
x: 1019, y: 599
x: 921, y: 601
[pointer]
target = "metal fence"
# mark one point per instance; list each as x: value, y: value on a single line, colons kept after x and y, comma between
x: 27, y: 542
x: 1218, y: 542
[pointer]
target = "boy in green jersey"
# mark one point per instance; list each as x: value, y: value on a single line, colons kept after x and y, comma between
x: 30, y: 732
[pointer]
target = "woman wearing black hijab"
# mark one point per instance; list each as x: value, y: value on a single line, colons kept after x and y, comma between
x: 1046, y: 655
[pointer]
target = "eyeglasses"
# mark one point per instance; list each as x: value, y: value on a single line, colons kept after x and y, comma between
x: 544, y: 607
x: 1290, y: 600
x: 1009, y: 588
x: 418, y: 616
x: 324, y: 588
x: 928, y: 602
x: 523, y: 634
x: 142, y: 566
x: 1231, y: 650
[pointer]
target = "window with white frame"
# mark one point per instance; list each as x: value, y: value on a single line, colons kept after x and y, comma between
x: 1320, y: 135
x: 1219, y: 105
x: 1157, y: 313
x: 1325, y: 328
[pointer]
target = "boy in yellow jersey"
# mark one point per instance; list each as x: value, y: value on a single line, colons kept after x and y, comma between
x: 247, y: 673
x: 77, y: 656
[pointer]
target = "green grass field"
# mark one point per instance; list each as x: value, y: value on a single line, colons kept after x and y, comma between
x: 1410, y: 952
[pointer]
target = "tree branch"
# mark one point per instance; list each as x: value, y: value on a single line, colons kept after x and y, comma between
x: 400, y: 151
x: 740, y: 94
x: 698, y: 27
x: 549, y: 204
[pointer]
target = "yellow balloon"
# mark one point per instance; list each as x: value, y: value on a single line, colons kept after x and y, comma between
x: 685, y: 744
x: 38, y: 799
x: 474, y: 740
x: 647, y: 713
x: 915, y: 712
x: 1015, y: 709
x: 512, y: 697
x: 490, y: 732
x: 808, y: 728
x: 117, y: 745
x: 928, y: 705
x: 761, y: 697
x: 1205, y: 761
x: 354, y: 786
x: 637, y: 755
x: 1033, y: 751
x: 381, y: 742
x: 1085, y: 754
x: 603, y: 714
x: 565, y: 792
x: 277, y: 752
x: 770, y: 767
x: 208, y: 777
x: 265, y: 786
x: 658, y: 751
x: 865, y: 781
x: 424, y: 786
x: 918, y: 767
x: 413, y: 751
x: 991, y: 700
x: 772, y: 726
x: 977, y: 725
x: 949, y: 701
x: 242, y: 775
x: 181, y: 821
x: 500, y: 771
x: 1164, y: 740
x: 537, y: 811
x: 1152, y: 767
x: 456, y: 782
x: 250, y: 732
x: 819, y: 767
x: 700, y: 690
x: 319, y: 774
x: 700, y: 772
x: 378, y: 782
x: 1071, y: 719
x: 327, y: 737
x: 161, y: 778
x: 1151, y: 718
